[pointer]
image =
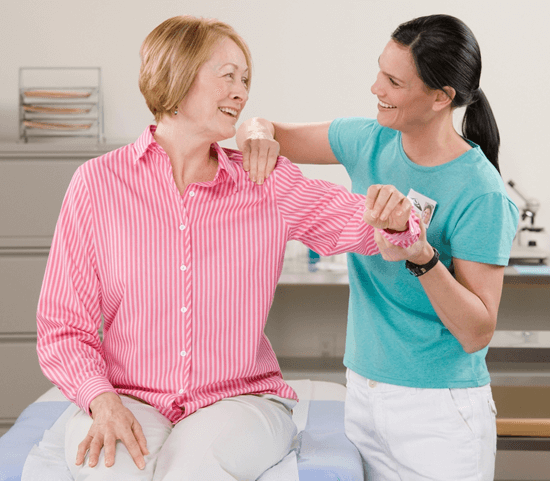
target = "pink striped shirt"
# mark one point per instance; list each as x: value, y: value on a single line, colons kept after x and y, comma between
x: 184, y: 282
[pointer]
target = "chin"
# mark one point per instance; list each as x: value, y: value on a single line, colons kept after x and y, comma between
x: 223, y: 135
x: 384, y: 121
x: 229, y: 133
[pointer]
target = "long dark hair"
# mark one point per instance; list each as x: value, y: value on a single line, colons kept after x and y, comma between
x: 446, y: 54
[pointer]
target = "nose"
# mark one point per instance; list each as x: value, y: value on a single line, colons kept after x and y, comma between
x: 240, y: 93
x: 376, y: 87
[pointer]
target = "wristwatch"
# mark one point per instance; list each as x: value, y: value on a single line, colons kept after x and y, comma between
x: 419, y: 270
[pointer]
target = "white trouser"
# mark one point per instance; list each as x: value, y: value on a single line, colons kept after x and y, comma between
x: 412, y: 434
x: 235, y: 438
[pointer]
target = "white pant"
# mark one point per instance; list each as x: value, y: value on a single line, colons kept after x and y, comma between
x: 412, y: 434
x: 235, y: 438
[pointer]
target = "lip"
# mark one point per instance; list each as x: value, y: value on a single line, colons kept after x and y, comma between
x: 383, y: 107
x: 238, y: 110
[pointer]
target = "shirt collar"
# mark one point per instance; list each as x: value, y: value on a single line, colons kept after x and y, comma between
x: 147, y: 142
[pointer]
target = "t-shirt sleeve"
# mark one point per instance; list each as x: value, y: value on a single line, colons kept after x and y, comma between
x: 486, y: 229
x: 347, y: 136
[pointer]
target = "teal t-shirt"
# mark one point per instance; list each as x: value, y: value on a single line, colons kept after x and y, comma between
x: 394, y: 334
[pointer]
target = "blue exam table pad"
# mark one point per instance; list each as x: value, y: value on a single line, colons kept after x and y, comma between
x: 323, y: 452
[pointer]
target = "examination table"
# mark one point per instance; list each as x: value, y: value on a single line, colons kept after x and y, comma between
x: 33, y: 449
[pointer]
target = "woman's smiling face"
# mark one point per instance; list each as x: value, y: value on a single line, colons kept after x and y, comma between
x: 404, y: 101
x: 218, y: 94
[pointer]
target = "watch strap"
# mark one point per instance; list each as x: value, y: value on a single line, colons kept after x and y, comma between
x: 418, y: 270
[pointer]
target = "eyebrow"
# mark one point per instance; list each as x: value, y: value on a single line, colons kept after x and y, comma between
x: 233, y: 65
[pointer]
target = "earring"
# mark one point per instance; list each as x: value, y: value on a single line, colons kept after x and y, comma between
x: 176, y: 112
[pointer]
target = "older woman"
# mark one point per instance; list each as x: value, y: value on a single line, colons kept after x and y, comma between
x: 169, y: 241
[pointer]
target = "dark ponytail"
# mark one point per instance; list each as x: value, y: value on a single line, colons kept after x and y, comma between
x: 446, y: 54
x: 479, y: 126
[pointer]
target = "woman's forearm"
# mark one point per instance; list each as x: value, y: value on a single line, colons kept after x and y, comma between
x: 302, y: 143
x: 463, y: 312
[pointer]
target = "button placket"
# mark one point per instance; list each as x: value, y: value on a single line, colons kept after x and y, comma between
x: 184, y: 307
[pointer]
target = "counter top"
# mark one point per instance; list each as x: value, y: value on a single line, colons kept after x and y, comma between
x: 293, y: 275
x: 77, y: 147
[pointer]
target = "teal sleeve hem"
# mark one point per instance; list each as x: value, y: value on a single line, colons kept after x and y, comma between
x: 495, y: 261
x: 332, y: 140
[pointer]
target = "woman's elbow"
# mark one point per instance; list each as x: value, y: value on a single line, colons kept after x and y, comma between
x: 478, y: 342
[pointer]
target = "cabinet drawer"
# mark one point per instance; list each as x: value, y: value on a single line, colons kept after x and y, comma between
x: 524, y: 307
x: 20, y: 283
x: 22, y: 379
x: 31, y: 194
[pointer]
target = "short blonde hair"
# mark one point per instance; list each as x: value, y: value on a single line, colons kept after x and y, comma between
x: 173, y: 53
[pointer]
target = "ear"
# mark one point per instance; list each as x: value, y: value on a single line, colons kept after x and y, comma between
x: 443, y: 98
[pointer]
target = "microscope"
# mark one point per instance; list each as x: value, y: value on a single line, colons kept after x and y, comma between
x: 530, y: 242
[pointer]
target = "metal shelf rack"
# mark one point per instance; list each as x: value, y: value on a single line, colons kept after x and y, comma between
x: 60, y: 102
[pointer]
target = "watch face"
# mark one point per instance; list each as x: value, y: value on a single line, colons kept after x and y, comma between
x: 414, y: 270
x: 417, y: 270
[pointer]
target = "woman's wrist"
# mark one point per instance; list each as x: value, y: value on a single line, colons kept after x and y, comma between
x: 424, y: 256
x: 259, y: 128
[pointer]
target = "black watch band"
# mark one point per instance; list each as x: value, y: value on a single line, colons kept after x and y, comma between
x: 417, y: 270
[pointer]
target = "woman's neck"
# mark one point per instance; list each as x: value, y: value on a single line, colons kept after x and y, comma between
x: 188, y: 153
x: 434, y: 144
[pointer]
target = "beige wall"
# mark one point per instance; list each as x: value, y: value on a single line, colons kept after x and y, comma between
x: 314, y: 60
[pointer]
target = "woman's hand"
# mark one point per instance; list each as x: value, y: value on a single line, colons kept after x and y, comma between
x: 260, y: 149
x: 386, y: 208
x: 112, y: 421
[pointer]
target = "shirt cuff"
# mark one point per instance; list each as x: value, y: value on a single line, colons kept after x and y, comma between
x: 92, y: 388
x: 407, y: 237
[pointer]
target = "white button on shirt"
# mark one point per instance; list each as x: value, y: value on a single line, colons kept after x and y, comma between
x: 182, y: 227
x: 183, y: 309
x: 192, y: 194
x: 183, y: 353
x: 183, y: 267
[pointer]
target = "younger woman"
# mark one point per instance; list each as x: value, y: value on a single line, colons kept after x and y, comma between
x: 419, y: 404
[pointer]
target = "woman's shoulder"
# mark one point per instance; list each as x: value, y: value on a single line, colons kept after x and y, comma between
x: 482, y: 176
x: 354, y: 137
x: 113, y: 164
x: 359, y: 126
x: 236, y: 157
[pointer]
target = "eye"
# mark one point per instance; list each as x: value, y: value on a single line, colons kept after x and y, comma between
x: 392, y: 81
x: 231, y: 75
x: 246, y: 82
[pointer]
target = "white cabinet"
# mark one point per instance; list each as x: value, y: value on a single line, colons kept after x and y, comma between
x: 33, y: 181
